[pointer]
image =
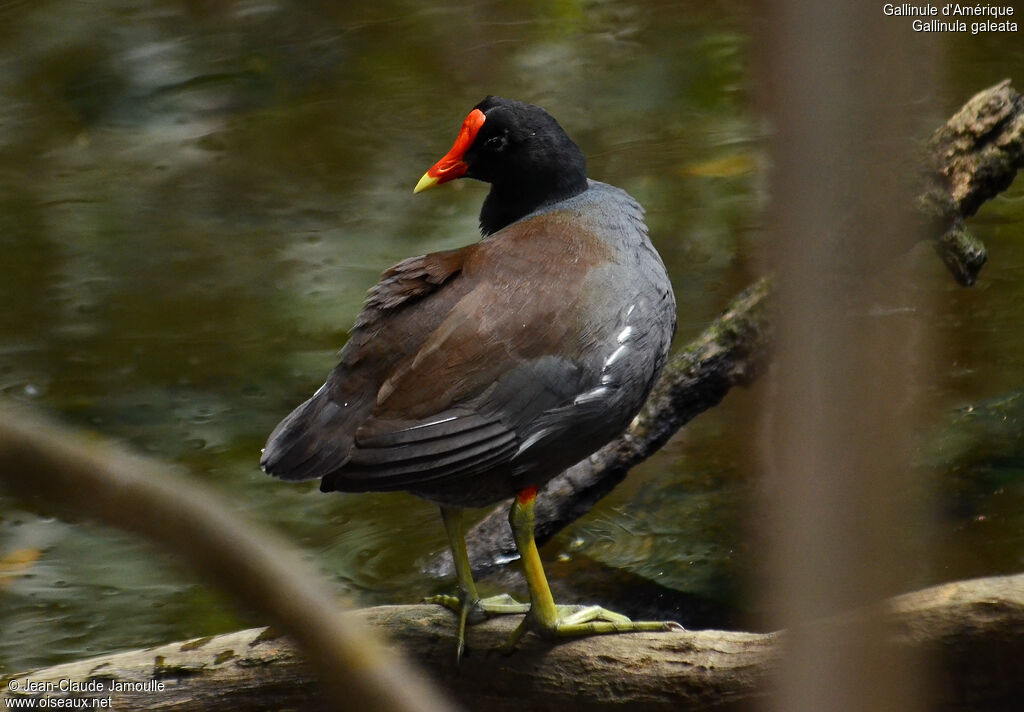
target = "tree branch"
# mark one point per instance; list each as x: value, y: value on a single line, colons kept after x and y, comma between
x: 972, y: 158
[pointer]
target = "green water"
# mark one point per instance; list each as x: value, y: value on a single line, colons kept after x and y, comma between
x: 195, y: 196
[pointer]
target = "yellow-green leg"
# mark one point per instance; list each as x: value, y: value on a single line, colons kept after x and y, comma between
x: 468, y: 604
x: 546, y: 618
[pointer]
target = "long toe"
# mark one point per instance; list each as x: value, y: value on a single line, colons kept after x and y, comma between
x: 586, y: 620
x: 482, y: 608
x: 452, y: 603
x: 571, y: 615
x: 601, y: 625
x: 500, y: 605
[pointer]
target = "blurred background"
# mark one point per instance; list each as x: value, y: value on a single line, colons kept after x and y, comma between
x: 195, y: 195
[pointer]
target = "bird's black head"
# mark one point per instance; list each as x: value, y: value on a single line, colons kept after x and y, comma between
x: 521, y: 151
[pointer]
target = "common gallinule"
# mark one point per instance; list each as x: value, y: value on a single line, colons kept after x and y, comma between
x: 477, y: 374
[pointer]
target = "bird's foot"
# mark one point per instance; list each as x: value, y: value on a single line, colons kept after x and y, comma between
x: 476, y: 610
x: 573, y: 620
x: 482, y: 608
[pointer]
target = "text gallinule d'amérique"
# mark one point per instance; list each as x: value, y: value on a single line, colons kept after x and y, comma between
x: 477, y: 374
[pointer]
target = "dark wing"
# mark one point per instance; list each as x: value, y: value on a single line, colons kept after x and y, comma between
x: 398, y: 454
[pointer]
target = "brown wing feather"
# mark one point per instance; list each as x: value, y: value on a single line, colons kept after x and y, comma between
x: 478, y: 340
x: 408, y: 280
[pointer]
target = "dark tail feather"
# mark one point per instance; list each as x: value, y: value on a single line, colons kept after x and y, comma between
x: 313, y: 440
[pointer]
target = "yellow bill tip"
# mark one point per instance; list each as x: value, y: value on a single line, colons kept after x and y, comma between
x: 427, y: 181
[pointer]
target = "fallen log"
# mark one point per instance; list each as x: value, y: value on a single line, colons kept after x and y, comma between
x: 972, y: 632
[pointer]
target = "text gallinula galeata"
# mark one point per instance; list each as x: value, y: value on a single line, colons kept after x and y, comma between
x: 477, y: 374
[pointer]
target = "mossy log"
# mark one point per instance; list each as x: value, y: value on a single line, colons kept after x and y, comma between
x: 972, y: 632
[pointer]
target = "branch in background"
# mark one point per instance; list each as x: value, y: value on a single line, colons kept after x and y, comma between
x: 973, y: 632
x: 86, y: 478
x: 972, y: 158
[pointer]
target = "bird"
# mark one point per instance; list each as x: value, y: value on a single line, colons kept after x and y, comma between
x: 477, y: 374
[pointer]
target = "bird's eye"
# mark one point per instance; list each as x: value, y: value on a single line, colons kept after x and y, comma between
x: 495, y: 143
